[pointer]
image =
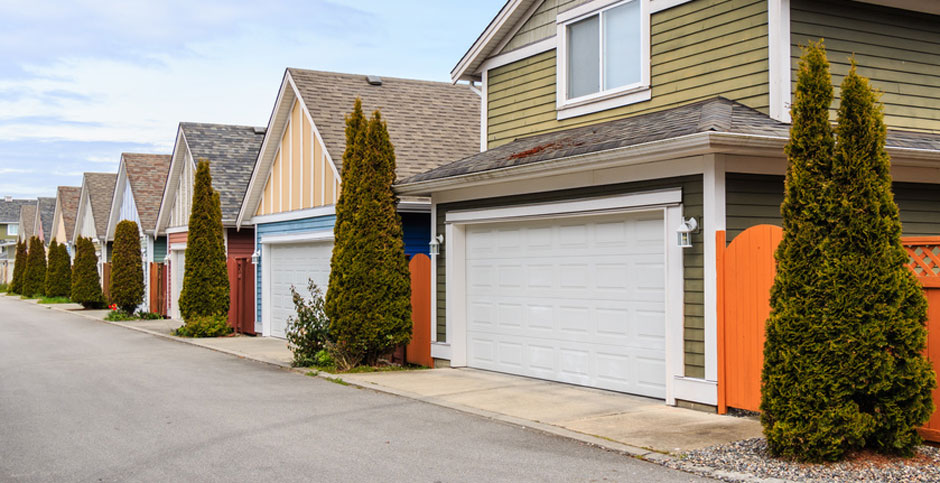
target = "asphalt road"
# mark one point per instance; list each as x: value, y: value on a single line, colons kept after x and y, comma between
x: 81, y: 400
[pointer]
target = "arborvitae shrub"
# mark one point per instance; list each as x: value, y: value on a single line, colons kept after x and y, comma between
x: 34, y: 284
x: 86, y: 284
x: 127, y: 270
x: 841, y: 366
x: 368, y: 301
x: 64, y: 280
x: 53, y: 269
x: 205, y: 289
x: 19, y: 268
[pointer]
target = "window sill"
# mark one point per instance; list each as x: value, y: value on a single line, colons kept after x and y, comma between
x: 575, y: 109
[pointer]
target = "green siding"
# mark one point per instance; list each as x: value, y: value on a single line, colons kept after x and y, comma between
x: 693, y: 261
x: 755, y: 199
x: 3, y: 232
x: 699, y: 50
x: 897, y: 49
x: 541, y: 25
x: 159, y: 249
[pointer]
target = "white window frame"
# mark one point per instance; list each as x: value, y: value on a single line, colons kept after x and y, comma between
x: 13, y: 229
x: 603, y: 99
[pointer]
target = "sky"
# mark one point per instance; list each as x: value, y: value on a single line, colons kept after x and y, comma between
x: 83, y: 81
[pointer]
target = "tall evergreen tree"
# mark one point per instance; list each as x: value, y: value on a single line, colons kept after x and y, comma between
x: 881, y: 304
x: 19, y: 267
x: 127, y: 270
x: 53, y: 269
x: 62, y: 282
x: 86, y: 283
x: 34, y: 284
x: 369, y: 297
x: 205, y: 289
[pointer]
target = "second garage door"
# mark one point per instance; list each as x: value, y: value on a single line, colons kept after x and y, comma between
x: 293, y: 264
x: 578, y: 300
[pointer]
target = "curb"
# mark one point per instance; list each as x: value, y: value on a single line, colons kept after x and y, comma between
x: 637, y: 452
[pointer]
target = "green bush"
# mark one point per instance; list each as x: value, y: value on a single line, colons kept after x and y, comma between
x: 119, y: 315
x: 842, y: 365
x: 148, y: 315
x: 86, y: 284
x: 59, y: 271
x: 307, y: 332
x: 369, y: 298
x: 127, y: 269
x: 19, y: 268
x: 34, y: 283
x: 54, y: 300
x: 205, y: 289
x: 4, y: 287
x: 205, y: 326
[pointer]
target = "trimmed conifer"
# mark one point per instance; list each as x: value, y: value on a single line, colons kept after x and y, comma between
x: 34, y: 283
x: 369, y: 298
x: 62, y: 284
x: 52, y: 269
x: 127, y: 270
x: 205, y: 289
x: 19, y: 267
x: 86, y: 283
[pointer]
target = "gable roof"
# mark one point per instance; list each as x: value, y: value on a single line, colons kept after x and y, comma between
x: 231, y: 151
x: 712, y: 115
x: 46, y: 212
x: 10, y: 209
x: 146, y: 173
x: 99, y: 188
x: 68, y: 197
x: 27, y: 220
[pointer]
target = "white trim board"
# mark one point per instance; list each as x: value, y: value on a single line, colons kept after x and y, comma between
x: 312, y: 236
x: 778, y: 40
x: 292, y: 215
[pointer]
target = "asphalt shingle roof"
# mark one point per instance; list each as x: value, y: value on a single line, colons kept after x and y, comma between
x: 712, y: 115
x: 10, y: 210
x: 232, y: 152
x: 146, y: 174
x: 46, y: 213
x: 27, y: 220
x: 69, y: 197
x: 101, y: 192
x: 429, y: 122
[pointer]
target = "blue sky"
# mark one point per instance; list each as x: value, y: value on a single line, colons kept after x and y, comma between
x: 82, y: 81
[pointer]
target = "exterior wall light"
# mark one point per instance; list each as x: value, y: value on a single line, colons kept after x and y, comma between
x: 435, y: 245
x: 255, y: 257
x: 685, y: 231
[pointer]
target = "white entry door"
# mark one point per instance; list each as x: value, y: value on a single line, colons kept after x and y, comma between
x: 579, y: 300
x: 177, y: 270
x: 293, y: 264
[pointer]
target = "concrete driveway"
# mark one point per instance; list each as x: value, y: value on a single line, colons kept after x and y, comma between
x: 81, y: 400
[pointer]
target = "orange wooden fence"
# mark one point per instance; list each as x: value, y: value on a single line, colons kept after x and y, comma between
x: 158, y: 288
x: 241, y: 279
x: 419, y: 349
x: 746, y: 270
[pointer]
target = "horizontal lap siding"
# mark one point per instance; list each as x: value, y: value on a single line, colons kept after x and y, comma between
x: 541, y: 25
x: 694, y: 332
x: 416, y: 232
x: 898, y: 50
x: 159, y: 249
x: 755, y: 199
x: 241, y: 243
x: 699, y: 50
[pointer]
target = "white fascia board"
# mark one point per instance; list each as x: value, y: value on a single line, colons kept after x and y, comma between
x: 117, y: 199
x: 259, y: 174
x: 313, y: 236
x: 516, y: 55
x: 479, y: 47
x: 414, y: 207
x: 80, y: 216
x: 176, y: 229
x: 672, y: 196
x: 292, y: 215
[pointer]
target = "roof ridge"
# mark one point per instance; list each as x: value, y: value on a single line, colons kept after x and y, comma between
x: 355, y: 74
x: 193, y: 123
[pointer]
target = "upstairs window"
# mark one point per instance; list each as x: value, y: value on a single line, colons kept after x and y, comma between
x: 13, y: 229
x: 603, y: 52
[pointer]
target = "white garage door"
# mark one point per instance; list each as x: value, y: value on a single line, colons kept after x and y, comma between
x: 293, y: 264
x: 577, y: 300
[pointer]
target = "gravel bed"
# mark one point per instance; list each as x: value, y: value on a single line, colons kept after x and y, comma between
x: 749, y: 460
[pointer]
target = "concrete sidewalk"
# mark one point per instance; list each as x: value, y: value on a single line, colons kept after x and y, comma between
x: 640, y: 426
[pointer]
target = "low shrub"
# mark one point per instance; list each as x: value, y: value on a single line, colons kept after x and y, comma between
x: 55, y: 300
x: 119, y: 315
x: 4, y: 287
x: 308, y: 331
x: 148, y: 315
x: 205, y: 326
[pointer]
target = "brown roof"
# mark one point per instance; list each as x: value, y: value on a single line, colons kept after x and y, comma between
x: 100, y: 192
x: 146, y: 174
x: 28, y: 220
x: 429, y: 123
x: 68, y: 202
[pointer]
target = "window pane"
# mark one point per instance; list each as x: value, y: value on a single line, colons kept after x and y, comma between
x: 584, y: 57
x: 622, y: 45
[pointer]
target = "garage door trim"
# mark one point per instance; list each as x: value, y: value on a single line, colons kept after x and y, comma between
x: 266, y: 242
x: 456, y: 295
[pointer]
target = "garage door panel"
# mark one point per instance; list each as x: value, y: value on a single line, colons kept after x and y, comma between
x: 293, y: 265
x: 580, y: 300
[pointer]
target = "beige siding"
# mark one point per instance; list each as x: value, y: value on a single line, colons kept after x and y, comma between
x: 184, y: 195
x: 297, y: 179
x: 898, y: 50
x: 541, y: 25
x: 699, y: 50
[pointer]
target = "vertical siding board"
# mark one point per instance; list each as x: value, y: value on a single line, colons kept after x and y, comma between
x: 306, y: 165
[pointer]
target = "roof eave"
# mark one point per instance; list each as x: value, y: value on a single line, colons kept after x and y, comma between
x: 472, y: 56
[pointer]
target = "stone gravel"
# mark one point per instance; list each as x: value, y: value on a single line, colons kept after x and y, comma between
x: 749, y: 460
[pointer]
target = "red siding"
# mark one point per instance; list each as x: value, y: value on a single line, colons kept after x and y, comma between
x: 241, y: 244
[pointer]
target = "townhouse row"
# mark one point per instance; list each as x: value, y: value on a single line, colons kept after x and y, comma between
x: 573, y: 186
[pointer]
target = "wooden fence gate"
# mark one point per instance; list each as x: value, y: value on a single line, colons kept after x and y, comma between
x: 746, y: 270
x: 106, y: 281
x: 241, y: 279
x: 419, y: 349
x: 158, y: 274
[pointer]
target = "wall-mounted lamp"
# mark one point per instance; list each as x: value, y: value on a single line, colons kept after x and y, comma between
x: 685, y: 231
x: 435, y: 245
x: 255, y: 257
